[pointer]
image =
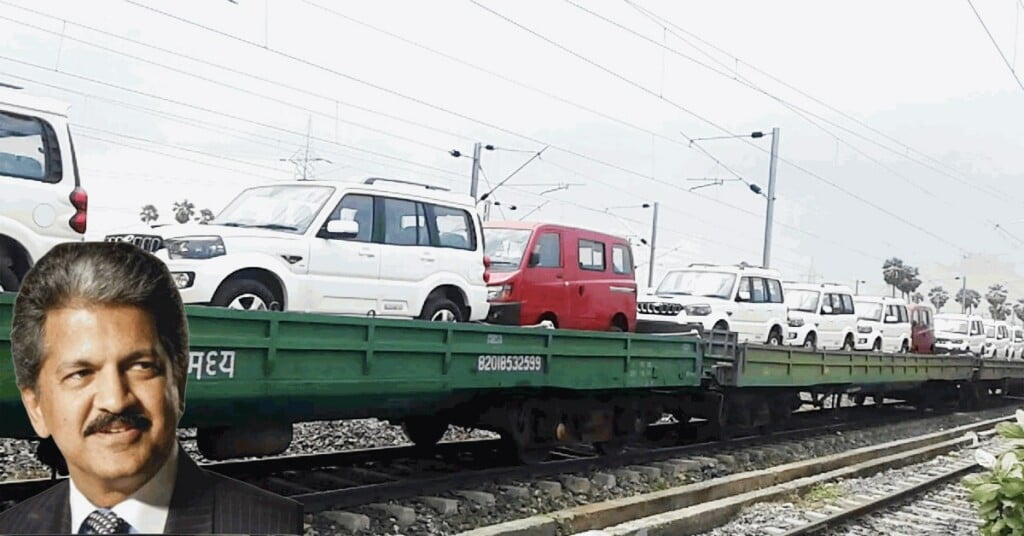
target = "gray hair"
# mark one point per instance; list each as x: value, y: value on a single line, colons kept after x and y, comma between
x: 106, y: 273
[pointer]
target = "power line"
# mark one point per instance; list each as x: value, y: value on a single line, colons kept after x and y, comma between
x: 229, y: 116
x: 458, y: 114
x: 224, y: 84
x: 686, y: 110
x: 252, y: 76
x: 995, y: 44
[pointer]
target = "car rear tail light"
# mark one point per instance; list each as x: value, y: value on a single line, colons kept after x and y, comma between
x: 80, y: 200
x: 487, y: 269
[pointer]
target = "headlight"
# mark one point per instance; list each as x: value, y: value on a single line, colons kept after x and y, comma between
x: 697, y: 310
x: 499, y: 292
x: 796, y: 322
x: 195, y: 247
x: 863, y: 329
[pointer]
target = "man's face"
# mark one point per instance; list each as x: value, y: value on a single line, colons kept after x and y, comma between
x: 106, y: 394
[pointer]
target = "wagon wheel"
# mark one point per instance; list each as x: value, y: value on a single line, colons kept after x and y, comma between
x: 520, y: 440
x: 424, y: 432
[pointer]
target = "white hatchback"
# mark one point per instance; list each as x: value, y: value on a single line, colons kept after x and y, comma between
x: 378, y: 248
x: 997, y: 339
x: 959, y: 334
x: 883, y: 324
x: 821, y: 316
x: 42, y: 202
x: 704, y: 297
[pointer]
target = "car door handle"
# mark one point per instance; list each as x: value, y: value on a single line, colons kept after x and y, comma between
x: 367, y: 253
x: 427, y: 258
x: 559, y: 276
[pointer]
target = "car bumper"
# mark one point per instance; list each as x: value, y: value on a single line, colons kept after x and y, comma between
x: 797, y: 336
x: 864, y: 341
x: 507, y: 313
x: 949, y: 348
x: 667, y: 326
x: 206, y: 276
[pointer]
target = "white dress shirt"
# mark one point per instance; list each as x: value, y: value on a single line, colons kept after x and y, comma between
x: 145, y: 510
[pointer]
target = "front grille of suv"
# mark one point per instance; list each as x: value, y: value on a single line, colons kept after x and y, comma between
x: 659, y: 308
x: 150, y: 243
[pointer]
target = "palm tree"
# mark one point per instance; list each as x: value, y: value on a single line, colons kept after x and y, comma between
x: 938, y: 296
x: 996, y: 297
x: 1018, y: 309
x: 969, y: 298
x: 149, y: 214
x: 909, y: 282
x: 205, y: 216
x: 184, y: 210
x: 892, y: 272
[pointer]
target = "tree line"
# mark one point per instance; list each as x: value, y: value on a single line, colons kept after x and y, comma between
x: 906, y: 279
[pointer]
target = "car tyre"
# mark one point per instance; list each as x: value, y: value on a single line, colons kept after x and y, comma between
x: 877, y: 346
x: 775, y: 338
x: 246, y: 294
x: 439, y: 309
x: 848, y: 344
x: 905, y: 347
x: 811, y: 342
x: 8, y: 279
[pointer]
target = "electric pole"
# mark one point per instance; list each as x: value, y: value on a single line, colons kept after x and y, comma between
x: 770, y: 212
x: 301, y: 159
x: 654, y: 238
x: 474, y: 181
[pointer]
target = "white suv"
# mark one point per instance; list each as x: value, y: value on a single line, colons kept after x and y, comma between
x: 744, y: 299
x: 41, y: 200
x: 821, y: 316
x: 997, y: 339
x: 883, y: 324
x: 959, y: 334
x: 379, y: 248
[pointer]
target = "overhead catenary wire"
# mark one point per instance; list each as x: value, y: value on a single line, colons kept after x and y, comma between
x: 266, y: 141
x: 700, y: 117
x: 466, y: 117
x: 996, y: 44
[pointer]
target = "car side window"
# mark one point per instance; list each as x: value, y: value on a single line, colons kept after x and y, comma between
x: 404, y: 223
x: 774, y: 291
x: 902, y: 314
x: 758, y: 293
x: 548, y: 249
x: 28, y: 149
x: 357, y: 208
x: 622, y: 261
x: 743, y: 291
x: 848, y: 308
x: 591, y: 255
x: 454, y: 227
x: 833, y: 301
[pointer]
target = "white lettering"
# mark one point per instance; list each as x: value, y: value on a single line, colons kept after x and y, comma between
x: 195, y: 363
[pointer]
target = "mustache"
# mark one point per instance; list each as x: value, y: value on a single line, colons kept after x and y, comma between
x: 132, y: 419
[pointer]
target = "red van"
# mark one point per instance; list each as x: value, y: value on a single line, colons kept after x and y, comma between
x: 922, y: 328
x: 577, y: 279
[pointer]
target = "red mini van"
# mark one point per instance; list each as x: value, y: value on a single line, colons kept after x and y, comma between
x: 577, y: 279
x: 922, y: 328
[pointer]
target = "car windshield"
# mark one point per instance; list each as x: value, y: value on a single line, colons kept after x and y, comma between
x: 505, y: 247
x: 694, y: 283
x: 285, y: 208
x: 990, y: 331
x: 869, y: 311
x: 802, y: 300
x: 951, y: 326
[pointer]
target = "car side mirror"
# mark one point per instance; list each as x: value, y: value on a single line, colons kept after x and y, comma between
x: 343, y: 228
x: 743, y: 296
x: 891, y: 319
x: 534, y: 260
x: 826, y: 309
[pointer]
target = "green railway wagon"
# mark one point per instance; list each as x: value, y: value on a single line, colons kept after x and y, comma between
x: 252, y: 374
x: 761, y: 386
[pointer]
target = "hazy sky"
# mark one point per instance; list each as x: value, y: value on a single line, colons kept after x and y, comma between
x: 899, y: 120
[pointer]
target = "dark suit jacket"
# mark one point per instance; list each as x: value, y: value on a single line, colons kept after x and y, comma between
x: 202, y: 503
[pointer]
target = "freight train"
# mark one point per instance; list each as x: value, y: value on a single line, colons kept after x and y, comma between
x: 253, y: 374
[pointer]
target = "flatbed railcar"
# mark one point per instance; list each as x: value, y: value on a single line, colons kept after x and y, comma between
x: 252, y: 374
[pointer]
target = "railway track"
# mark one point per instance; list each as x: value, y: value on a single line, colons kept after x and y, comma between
x: 348, y: 479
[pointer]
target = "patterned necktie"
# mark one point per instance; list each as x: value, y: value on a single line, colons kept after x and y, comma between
x: 104, y: 521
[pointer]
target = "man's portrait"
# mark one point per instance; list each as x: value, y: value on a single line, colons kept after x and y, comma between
x: 100, y: 347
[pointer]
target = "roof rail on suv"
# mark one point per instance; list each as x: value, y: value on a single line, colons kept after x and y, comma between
x: 10, y: 86
x: 410, y: 183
